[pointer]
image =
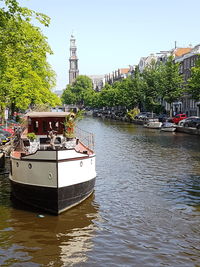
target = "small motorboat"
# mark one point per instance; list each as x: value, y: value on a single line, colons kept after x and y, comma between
x: 168, y: 127
x: 153, y: 124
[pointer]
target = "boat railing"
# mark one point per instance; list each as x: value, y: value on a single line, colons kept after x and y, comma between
x: 86, y: 138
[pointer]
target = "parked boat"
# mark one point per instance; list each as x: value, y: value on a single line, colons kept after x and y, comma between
x: 53, y: 172
x: 152, y: 124
x: 168, y: 127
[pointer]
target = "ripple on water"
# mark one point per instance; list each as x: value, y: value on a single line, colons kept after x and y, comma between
x: 144, y: 212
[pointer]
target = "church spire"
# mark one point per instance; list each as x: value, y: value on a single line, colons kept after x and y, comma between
x: 73, y: 61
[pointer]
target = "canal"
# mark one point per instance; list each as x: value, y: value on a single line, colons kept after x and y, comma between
x: 145, y: 210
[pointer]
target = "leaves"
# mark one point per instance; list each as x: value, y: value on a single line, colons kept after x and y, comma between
x: 26, y: 78
x: 172, y: 81
x: 79, y: 92
x: 194, y: 81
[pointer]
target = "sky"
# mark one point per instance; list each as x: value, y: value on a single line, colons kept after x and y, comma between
x: 112, y: 34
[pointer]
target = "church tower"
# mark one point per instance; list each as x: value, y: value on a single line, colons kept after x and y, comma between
x: 73, y: 61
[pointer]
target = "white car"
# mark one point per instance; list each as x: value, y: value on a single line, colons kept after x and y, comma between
x: 185, y: 120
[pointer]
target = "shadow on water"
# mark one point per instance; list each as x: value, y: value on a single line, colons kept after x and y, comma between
x: 31, y: 238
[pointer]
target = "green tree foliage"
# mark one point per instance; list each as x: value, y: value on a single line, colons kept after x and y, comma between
x: 68, y: 97
x: 172, y: 88
x: 137, y: 89
x: 109, y: 96
x: 26, y: 78
x: 152, y: 86
x: 81, y: 86
x: 80, y: 92
x: 132, y: 113
x: 194, y: 81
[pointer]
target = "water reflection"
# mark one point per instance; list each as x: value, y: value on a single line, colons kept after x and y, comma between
x: 62, y: 240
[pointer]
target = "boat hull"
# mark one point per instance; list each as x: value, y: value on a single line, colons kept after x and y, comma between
x: 168, y: 129
x: 153, y: 125
x: 52, y: 200
x: 53, y: 181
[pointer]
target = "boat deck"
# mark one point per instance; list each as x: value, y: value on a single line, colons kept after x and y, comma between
x: 80, y: 148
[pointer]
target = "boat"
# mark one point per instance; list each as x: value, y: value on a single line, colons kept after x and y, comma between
x: 168, y: 127
x: 153, y: 124
x: 51, y: 170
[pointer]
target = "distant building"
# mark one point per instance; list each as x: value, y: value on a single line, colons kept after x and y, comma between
x: 73, y: 61
x: 147, y: 61
x: 162, y: 56
x: 117, y: 75
x: 58, y: 92
x: 98, y: 82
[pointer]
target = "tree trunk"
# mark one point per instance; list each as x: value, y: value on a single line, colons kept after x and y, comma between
x: 171, y: 114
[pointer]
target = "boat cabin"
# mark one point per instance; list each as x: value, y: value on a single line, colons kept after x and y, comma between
x: 41, y: 123
x: 49, y: 128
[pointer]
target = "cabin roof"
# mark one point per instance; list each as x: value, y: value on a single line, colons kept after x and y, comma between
x: 47, y: 114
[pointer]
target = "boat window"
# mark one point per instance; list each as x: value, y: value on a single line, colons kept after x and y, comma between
x: 35, y: 126
x: 44, y: 140
x: 44, y: 126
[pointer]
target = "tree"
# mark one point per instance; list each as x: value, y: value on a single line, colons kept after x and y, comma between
x: 108, y: 96
x: 193, y: 87
x: 137, y: 92
x: 172, y: 88
x: 26, y: 78
x: 80, y: 88
x: 80, y: 92
x: 68, y: 97
x: 152, y: 86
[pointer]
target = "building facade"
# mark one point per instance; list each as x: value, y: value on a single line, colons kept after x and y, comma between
x: 187, y: 61
x: 73, y: 61
x: 98, y: 82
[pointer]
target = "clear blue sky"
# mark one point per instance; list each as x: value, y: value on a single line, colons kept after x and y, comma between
x: 112, y: 34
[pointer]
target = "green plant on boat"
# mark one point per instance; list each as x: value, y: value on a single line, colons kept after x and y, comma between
x: 31, y: 136
x: 70, y: 122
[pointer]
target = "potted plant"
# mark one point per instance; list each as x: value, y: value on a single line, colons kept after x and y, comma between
x: 31, y: 136
x: 70, y: 123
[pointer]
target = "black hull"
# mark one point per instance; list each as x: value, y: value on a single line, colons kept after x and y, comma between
x: 52, y: 200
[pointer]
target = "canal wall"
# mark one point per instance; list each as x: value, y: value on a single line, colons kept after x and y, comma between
x: 181, y: 129
x: 187, y: 130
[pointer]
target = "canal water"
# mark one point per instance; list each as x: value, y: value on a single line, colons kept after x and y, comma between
x: 145, y: 210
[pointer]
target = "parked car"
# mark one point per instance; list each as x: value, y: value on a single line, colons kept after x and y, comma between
x: 179, y: 117
x: 185, y: 120
x: 163, y: 117
x: 145, y: 115
x: 192, y: 122
x: 141, y: 115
